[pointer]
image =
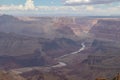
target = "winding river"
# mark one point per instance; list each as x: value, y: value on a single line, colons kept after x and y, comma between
x: 62, y: 64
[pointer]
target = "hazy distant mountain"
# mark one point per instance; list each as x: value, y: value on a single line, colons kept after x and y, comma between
x: 49, y: 27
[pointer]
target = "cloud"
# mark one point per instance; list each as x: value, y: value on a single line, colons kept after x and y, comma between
x: 29, y: 5
x: 88, y: 2
x: 30, y: 8
x: 69, y: 10
x: 12, y: 7
x: 90, y: 8
x: 76, y: 1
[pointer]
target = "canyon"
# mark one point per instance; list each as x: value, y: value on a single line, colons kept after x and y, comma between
x: 59, y: 48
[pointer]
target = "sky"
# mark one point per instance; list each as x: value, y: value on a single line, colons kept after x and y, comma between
x: 61, y: 7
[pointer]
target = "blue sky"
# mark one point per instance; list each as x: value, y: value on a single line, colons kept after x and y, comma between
x: 68, y: 7
x: 36, y: 2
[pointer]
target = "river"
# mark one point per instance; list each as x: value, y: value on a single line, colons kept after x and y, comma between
x: 63, y: 64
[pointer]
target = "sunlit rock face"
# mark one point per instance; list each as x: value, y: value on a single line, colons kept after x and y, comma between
x: 8, y: 75
x: 79, y: 26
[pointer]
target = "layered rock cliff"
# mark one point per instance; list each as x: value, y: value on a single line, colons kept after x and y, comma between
x: 107, y: 29
x: 106, y: 40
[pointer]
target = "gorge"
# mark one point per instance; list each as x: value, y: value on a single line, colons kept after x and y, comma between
x: 60, y: 48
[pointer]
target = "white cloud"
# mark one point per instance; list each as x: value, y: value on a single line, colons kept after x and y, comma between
x: 12, y: 7
x: 87, y: 2
x: 82, y: 9
x: 90, y: 8
x: 29, y: 5
x: 76, y: 1
x: 59, y: 8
